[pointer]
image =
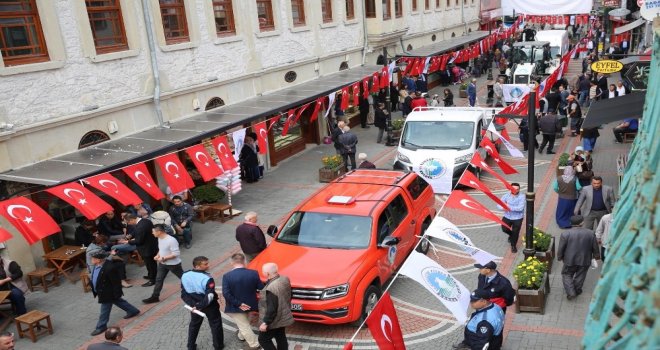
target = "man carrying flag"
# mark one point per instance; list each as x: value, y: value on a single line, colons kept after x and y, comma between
x: 514, y: 216
x: 485, y: 325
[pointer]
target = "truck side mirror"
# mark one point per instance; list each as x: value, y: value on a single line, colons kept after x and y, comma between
x: 272, y: 230
x: 389, y: 241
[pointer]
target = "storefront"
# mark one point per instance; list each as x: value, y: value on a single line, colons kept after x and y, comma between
x: 490, y: 15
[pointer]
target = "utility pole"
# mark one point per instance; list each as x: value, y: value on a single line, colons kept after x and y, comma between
x: 530, y: 195
x: 388, y: 104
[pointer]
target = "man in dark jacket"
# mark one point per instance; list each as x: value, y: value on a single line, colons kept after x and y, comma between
x: 348, y: 141
x: 336, y: 131
x: 577, y: 246
x: 146, y: 244
x: 113, y: 336
x: 380, y: 120
x: 250, y: 236
x: 239, y: 288
x: 485, y: 325
x: 111, y: 226
x: 182, y: 214
x: 198, y: 292
x: 497, y: 288
x: 274, y: 309
x: 364, y: 112
x: 106, y: 287
x: 549, y: 126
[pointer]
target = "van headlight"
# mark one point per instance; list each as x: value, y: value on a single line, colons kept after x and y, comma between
x: 463, y: 159
x: 400, y: 156
x: 335, y: 292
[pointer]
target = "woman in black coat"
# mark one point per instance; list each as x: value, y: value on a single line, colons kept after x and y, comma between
x: 449, y: 98
x: 249, y: 160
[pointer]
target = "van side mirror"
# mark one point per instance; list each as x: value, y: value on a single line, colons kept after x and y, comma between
x: 272, y: 230
x: 389, y: 241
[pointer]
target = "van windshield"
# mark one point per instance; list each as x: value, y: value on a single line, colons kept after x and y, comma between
x: 437, y: 135
x: 322, y: 230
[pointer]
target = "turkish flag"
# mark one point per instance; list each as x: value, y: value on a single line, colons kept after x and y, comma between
x: 262, y: 136
x: 478, y: 162
x: 299, y: 113
x: 140, y: 175
x: 82, y: 199
x: 409, y: 65
x: 272, y: 121
x: 348, y: 346
x: 207, y: 167
x: 287, y: 123
x: 344, y: 98
x: 114, y: 188
x: 505, y: 134
x: 470, y: 180
x: 28, y: 218
x: 385, y: 77
x: 5, y: 235
x: 317, y: 108
x: 356, y: 94
x: 443, y: 61
x: 376, y: 86
x: 384, y: 325
x: 224, y: 153
x: 365, y: 88
x: 461, y: 200
x: 490, y: 148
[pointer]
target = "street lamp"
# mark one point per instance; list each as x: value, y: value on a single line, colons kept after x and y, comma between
x: 388, y: 104
x: 530, y: 195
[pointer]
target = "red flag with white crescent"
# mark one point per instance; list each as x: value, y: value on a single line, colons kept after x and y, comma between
x: 223, y: 151
x: 207, y: 167
x: 365, y: 88
x: 443, y: 61
x: 490, y: 148
x: 272, y: 121
x: 317, y: 108
x: 140, y: 175
x: 376, y: 86
x: 5, y: 235
x: 28, y: 218
x: 384, y: 77
x: 478, y: 162
x: 470, y: 180
x: 461, y: 200
x: 355, y: 88
x: 114, y: 188
x: 175, y: 173
x: 384, y: 326
x: 82, y: 199
x: 287, y: 123
x: 262, y: 136
x: 299, y: 113
x: 348, y: 346
x: 409, y: 65
x: 344, y: 98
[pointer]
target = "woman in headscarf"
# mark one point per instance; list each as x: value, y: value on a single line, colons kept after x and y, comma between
x: 249, y: 160
x: 567, y: 187
x: 583, y: 165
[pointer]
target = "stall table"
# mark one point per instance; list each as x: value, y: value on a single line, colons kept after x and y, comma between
x: 65, y: 258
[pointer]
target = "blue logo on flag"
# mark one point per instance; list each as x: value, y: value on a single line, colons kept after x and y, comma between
x: 441, y: 283
x: 432, y: 168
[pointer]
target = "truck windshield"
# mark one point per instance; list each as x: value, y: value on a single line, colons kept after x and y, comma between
x: 327, y: 231
x: 438, y: 134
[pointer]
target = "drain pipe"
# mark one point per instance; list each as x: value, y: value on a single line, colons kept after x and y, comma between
x: 465, y: 28
x: 364, y: 30
x: 154, y: 61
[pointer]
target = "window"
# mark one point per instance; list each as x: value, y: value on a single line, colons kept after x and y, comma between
x: 391, y: 218
x: 224, y: 17
x: 21, y: 37
x: 265, y: 15
x: 175, y: 27
x: 107, y: 25
x: 370, y: 8
x: 427, y: 4
x: 414, y: 5
x: 387, y: 13
x: 350, y: 9
x: 298, y: 12
x: 448, y: 3
x: 92, y: 138
x: 398, y: 8
x: 326, y: 10
x: 417, y: 187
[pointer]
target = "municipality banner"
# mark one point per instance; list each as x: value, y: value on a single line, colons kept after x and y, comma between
x: 437, y: 172
x: 442, y: 228
x: 514, y: 92
x: 440, y: 283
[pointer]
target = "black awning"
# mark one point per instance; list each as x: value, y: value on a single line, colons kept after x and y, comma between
x: 615, y: 109
x: 139, y: 147
x: 445, y: 45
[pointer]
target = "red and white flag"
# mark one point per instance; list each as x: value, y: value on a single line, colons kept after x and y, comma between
x: 287, y: 123
x: 376, y: 85
x: 175, y: 173
x: 365, y: 88
x: 492, y: 150
x: 28, y: 218
x: 140, y: 175
x: 114, y: 188
x: 504, y: 137
x: 348, y: 346
x: 344, y: 97
x: 468, y: 179
x: 207, y: 167
x: 5, y: 235
x: 461, y: 200
x: 317, y: 108
x: 82, y: 199
x: 223, y: 151
x: 384, y: 77
x: 384, y: 325
x: 262, y: 136
x: 355, y: 88
x: 478, y: 162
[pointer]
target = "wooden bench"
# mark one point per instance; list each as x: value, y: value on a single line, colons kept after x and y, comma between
x: 629, y: 137
x: 41, y: 274
x: 204, y: 212
x: 220, y: 209
x: 85, y: 281
x: 34, y: 327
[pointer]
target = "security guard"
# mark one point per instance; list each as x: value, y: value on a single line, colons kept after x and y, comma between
x: 485, y: 325
x: 198, y: 292
x: 497, y: 287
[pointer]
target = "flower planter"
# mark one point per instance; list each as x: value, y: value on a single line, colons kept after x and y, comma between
x: 533, y: 300
x: 548, y: 256
x: 327, y: 174
x: 462, y: 93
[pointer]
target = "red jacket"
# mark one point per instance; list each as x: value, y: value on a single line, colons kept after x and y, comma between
x: 418, y: 102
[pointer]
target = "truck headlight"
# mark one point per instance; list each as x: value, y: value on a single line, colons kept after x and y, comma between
x: 335, y: 292
x: 403, y: 158
x: 463, y: 159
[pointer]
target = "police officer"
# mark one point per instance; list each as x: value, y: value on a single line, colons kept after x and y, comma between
x: 485, y: 325
x: 198, y: 292
x: 497, y: 287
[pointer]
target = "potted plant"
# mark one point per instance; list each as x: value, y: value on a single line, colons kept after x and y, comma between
x: 397, y: 125
x: 207, y: 194
x: 544, y: 244
x: 563, y: 163
x: 532, y: 285
x: 333, y: 167
x: 462, y: 89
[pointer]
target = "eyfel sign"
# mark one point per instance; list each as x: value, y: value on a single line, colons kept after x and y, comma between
x: 606, y: 66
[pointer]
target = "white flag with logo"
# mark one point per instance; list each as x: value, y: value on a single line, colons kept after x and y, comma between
x: 439, y: 282
x: 437, y: 173
x: 443, y: 229
x: 238, y: 136
x: 511, y: 148
x: 331, y: 99
x: 390, y: 70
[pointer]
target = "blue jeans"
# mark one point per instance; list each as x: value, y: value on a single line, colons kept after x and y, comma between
x: 123, y: 248
x: 472, y: 100
x: 187, y: 234
x: 574, y: 125
x: 18, y: 300
x: 104, y: 317
x: 582, y: 97
x: 589, y: 144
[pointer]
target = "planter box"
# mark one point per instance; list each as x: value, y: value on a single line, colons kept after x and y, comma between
x: 327, y: 175
x: 548, y: 256
x: 533, y: 300
x: 462, y: 93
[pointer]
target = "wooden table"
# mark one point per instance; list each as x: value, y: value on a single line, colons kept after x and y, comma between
x: 6, y: 318
x: 64, y: 255
x: 220, y: 209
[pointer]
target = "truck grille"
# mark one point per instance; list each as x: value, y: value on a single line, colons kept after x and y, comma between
x: 305, y: 293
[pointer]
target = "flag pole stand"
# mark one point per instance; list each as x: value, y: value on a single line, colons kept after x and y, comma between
x: 529, y: 250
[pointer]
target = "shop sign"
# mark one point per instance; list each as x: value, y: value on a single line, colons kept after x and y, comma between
x: 649, y: 9
x: 611, y: 3
x: 606, y: 66
x: 638, y: 75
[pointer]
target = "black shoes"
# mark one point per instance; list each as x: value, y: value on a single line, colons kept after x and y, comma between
x: 188, y: 245
x: 150, y: 300
x: 540, y: 150
x: 148, y: 284
x: 578, y: 292
x: 550, y: 152
x: 571, y: 297
x: 514, y: 249
x: 131, y: 315
x: 146, y: 277
x: 98, y: 331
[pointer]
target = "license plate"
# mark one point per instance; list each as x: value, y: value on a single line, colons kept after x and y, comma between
x: 296, y: 307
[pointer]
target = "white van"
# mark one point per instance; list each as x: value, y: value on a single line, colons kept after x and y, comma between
x: 558, y: 40
x: 451, y: 134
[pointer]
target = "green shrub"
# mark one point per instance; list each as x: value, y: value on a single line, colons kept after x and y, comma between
x: 529, y: 273
x: 563, y: 159
x: 208, y: 193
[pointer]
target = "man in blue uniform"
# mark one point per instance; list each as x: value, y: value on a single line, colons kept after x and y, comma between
x: 198, y: 292
x: 497, y: 287
x: 485, y: 325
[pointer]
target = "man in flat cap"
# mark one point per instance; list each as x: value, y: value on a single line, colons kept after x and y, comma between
x: 485, y: 325
x: 497, y: 287
x: 577, y: 246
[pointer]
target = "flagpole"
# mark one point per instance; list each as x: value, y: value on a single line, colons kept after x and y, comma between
x: 530, y: 195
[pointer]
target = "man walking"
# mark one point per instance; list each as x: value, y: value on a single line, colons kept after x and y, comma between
x: 364, y: 112
x: 348, y: 142
x: 106, y: 287
x: 577, y: 246
x: 514, y: 216
x: 496, y: 287
x: 250, y: 236
x: 274, y: 309
x: 113, y: 336
x: 485, y: 325
x: 472, y: 92
x: 594, y: 201
x: 549, y: 126
x: 239, y: 288
x: 198, y: 292
x: 146, y: 244
x: 182, y: 214
x: 498, y: 93
x: 574, y: 114
x: 168, y: 259
x: 603, y: 234
x: 380, y: 120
